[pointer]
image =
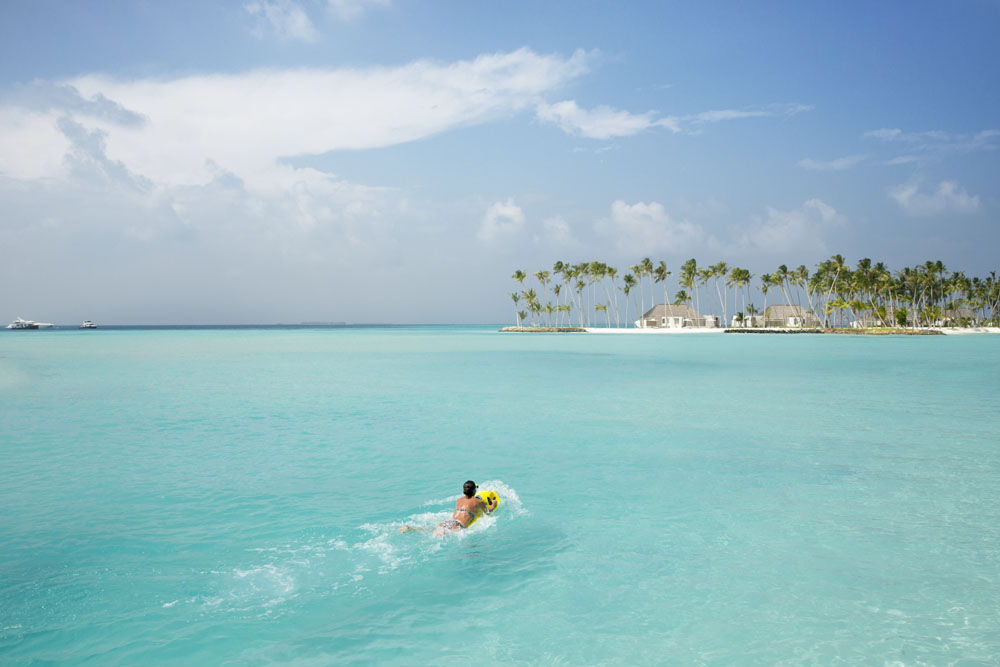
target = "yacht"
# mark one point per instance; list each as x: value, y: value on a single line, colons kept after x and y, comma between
x: 28, y: 324
x: 87, y: 324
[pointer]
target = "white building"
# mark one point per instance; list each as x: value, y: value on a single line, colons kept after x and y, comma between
x: 675, y: 316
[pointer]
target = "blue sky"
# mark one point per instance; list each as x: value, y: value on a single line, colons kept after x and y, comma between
x: 395, y: 161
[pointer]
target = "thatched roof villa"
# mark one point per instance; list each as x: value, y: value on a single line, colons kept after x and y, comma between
x: 675, y: 316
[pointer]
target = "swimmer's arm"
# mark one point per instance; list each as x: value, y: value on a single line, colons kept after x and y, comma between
x: 405, y: 528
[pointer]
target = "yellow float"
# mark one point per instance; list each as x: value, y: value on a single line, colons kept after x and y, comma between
x: 492, y: 501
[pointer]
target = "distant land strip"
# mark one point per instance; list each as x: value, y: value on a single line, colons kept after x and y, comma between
x: 843, y: 332
x: 543, y: 330
x: 848, y: 332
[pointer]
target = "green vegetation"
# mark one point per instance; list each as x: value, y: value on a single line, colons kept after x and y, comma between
x: 869, y: 295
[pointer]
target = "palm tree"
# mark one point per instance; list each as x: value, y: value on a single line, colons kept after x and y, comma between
x: 532, y: 300
x: 780, y: 277
x: 661, y: 277
x: 612, y: 273
x: 739, y: 278
x: 565, y: 308
x: 557, y: 288
x: 720, y: 270
x: 568, y: 274
x: 557, y: 270
x: 915, y: 296
x: 647, y: 268
x: 703, y: 277
x: 603, y: 306
x: 595, y: 272
x: 629, y: 281
x: 689, y: 273
x: 637, y: 270
x: 579, y: 296
x: 765, y: 285
x: 543, y: 278
x: 802, y: 279
x: 837, y: 265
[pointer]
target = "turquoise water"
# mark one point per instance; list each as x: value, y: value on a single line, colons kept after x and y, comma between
x: 234, y: 496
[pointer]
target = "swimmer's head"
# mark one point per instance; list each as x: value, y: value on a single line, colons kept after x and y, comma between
x: 469, y: 489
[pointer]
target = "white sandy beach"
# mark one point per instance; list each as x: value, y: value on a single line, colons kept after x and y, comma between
x: 960, y: 331
x: 652, y: 331
x: 951, y: 331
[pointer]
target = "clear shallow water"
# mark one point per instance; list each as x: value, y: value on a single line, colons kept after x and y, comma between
x: 233, y: 496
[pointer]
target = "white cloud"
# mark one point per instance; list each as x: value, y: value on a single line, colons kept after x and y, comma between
x: 947, y: 197
x: 797, y: 232
x: 838, y: 164
x: 31, y: 144
x: 599, y: 123
x: 285, y: 17
x: 647, y: 228
x: 557, y: 232
x: 502, y: 220
x: 351, y: 9
x: 191, y: 175
x: 246, y: 123
x: 604, y: 122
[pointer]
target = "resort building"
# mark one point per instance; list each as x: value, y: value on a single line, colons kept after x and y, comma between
x: 789, y: 316
x: 867, y: 319
x: 955, y: 317
x: 675, y: 316
x: 747, y: 321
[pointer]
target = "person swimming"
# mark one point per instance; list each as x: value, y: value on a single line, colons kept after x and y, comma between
x: 467, y: 507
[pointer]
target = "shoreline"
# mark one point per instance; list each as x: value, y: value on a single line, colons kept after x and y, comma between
x: 923, y: 331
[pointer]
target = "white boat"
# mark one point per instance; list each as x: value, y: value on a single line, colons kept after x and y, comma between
x: 87, y: 324
x: 28, y: 324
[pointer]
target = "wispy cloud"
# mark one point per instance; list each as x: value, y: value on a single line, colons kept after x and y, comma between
x: 937, y: 141
x: 285, y: 18
x: 598, y: 123
x: 719, y: 115
x: 838, y: 164
x: 723, y: 114
x: 604, y: 122
x: 948, y: 196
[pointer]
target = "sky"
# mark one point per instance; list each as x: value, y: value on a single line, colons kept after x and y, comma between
x: 394, y: 161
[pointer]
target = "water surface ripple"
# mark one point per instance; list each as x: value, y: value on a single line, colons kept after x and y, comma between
x: 233, y: 496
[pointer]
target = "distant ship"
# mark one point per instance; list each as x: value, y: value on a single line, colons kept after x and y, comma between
x: 28, y: 324
x: 87, y: 324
